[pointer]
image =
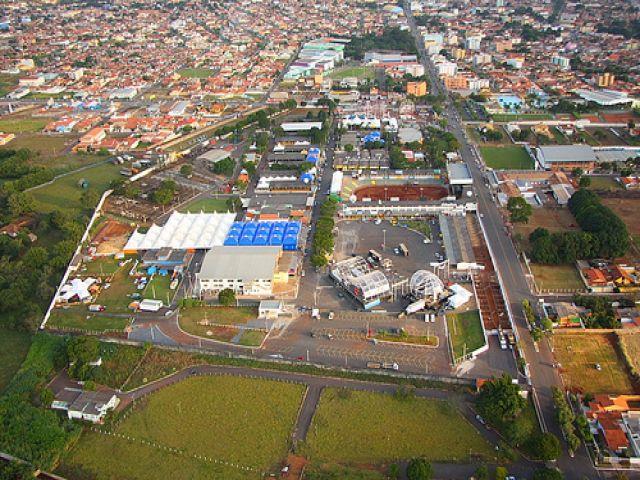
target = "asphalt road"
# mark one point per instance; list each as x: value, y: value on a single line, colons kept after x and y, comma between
x: 515, y: 287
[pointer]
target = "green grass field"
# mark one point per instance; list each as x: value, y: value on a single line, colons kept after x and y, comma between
x: 117, y: 297
x: 7, y: 83
x: 13, y: 349
x: 100, y: 266
x: 20, y: 124
x: 252, y: 338
x: 362, y: 428
x: 359, y: 72
x: 512, y: 117
x: 603, y: 183
x: 578, y: 355
x: 158, y: 289
x: 507, y: 158
x: 78, y: 317
x: 64, y: 193
x: 217, y: 315
x: 118, y: 361
x: 195, y: 72
x: 241, y: 421
x: 465, y: 331
x: 206, y: 205
x: 557, y: 277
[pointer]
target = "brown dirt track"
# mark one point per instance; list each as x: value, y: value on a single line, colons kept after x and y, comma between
x: 404, y: 192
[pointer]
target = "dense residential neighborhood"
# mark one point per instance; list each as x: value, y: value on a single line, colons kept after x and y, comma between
x: 334, y: 239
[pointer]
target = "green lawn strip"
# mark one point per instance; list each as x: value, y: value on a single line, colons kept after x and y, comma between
x: 422, y: 227
x: 427, y: 340
x: 367, y: 428
x: 158, y: 289
x: 103, y: 457
x: 507, y: 158
x: 23, y: 124
x: 513, y: 117
x: 252, y: 338
x: 191, y: 316
x: 206, y: 205
x: 78, y: 317
x: 65, y: 192
x: 556, y: 277
x: 14, y: 346
x: 195, y: 72
x: 465, y: 330
x: 337, y: 472
x: 234, y: 419
x: 100, y: 266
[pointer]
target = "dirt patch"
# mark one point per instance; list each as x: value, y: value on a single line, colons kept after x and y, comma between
x: 403, y: 192
x: 112, y: 237
x: 627, y: 209
x: 296, y: 465
x: 622, y: 117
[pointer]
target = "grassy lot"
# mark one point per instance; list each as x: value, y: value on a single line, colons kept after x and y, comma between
x: 159, y: 363
x: 419, y: 226
x: 465, y: 330
x: 100, y: 266
x: 48, y: 146
x: 118, y: 361
x: 511, y: 117
x: 195, y: 72
x: 355, y: 427
x: 79, y: 317
x: 158, y: 289
x: 64, y: 193
x: 242, y: 421
x: 206, y: 205
x: 631, y: 344
x: 553, y: 219
x: 217, y: 315
x: 578, y: 355
x: 359, y: 72
x: 7, y: 83
x: 116, y: 298
x: 507, y: 158
x: 627, y: 209
x: 557, y: 277
x: 13, y: 349
x: 604, y: 183
x: 20, y: 124
x: 252, y: 338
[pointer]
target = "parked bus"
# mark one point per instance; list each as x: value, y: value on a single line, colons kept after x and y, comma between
x: 403, y: 250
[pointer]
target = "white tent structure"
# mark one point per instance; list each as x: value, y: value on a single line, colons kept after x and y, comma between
x: 76, y: 288
x: 425, y: 284
x: 184, y: 231
x: 460, y: 296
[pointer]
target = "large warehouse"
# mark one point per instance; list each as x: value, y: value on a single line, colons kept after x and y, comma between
x: 248, y: 271
x: 566, y: 157
x: 183, y: 231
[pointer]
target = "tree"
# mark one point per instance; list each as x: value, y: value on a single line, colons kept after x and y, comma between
x: 481, y: 473
x: 89, y: 199
x: 234, y: 204
x: 227, y: 297
x: 186, y: 170
x: 499, y: 400
x: 20, y: 203
x: 348, y: 147
x: 547, y: 446
x: 16, y: 470
x: 584, y: 182
x: 80, y: 352
x: 547, y: 474
x: 419, y: 469
x: 577, y: 172
x: 519, y: 209
x: 501, y: 473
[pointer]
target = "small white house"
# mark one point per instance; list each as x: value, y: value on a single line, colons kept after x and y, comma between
x: 83, y: 405
x: 270, y: 309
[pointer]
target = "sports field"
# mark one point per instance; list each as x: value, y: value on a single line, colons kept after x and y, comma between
x: 13, y: 349
x: 358, y: 72
x: 465, y: 331
x: 579, y: 354
x: 195, y: 72
x: 206, y: 205
x: 363, y: 428
x: 240, y: 423
x: 507, y: 158
x: 64, y: 193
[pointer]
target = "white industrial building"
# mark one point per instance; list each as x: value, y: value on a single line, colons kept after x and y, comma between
x: 248, y: 271
x: 183, y: 231
x: 300, y: 126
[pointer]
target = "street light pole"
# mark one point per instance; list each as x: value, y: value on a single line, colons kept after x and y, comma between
x: 384, y: 239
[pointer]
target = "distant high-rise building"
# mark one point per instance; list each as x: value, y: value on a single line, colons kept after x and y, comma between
x: 417, y: 89
x: 606, y: 79
x: 499, y: 3
x: 473, y: 42
x: 562, y: 62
